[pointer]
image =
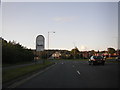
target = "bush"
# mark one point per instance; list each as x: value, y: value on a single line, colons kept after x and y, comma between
x: 13, y: 52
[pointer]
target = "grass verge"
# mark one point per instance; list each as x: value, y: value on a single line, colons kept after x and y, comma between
x: 19, y: 63
x: 11, y: 74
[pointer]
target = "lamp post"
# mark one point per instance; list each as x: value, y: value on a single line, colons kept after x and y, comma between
x: 48, y: 41
x: 48, y: 37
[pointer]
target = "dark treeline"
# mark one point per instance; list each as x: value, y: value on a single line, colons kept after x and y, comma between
x: 13, y: 52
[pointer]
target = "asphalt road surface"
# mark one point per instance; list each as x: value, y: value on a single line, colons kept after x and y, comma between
x: 76, y: 74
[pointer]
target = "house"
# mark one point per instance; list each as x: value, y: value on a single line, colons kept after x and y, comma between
x: 56, y: 55
x: 85, y: 54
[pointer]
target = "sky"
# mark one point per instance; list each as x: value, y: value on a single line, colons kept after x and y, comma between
x: 0, y: 19
x: 118, y: 26
x: 86, y: 25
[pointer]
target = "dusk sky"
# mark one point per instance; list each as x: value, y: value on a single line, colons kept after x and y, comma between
x: 87, y: 25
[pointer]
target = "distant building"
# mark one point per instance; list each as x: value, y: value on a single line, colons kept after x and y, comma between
x: 56, y: 55
x: 85, y: 54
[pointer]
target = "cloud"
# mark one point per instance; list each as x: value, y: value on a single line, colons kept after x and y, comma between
x: 64, y: 19
x: 82, y: 47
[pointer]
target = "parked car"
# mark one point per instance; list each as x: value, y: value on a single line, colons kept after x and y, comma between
x: 118, y: 58
x: 96, y: 60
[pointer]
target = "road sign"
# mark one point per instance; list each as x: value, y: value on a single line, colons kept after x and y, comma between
x: 40, y: 43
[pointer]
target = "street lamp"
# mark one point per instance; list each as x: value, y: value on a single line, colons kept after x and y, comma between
x: 48, y: 42
x: 48, y: 37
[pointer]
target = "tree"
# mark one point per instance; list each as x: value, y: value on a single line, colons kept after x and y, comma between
x: 75, y: 52
x: 111, y: 50
x: 92, y: 52
x: 13, y: 52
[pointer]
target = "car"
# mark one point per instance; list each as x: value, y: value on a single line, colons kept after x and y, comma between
x: 95, y: 60
x: 118, y: 58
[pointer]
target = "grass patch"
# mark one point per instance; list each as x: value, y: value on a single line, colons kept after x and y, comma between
x: 19, y: 63
x: 11, y: 74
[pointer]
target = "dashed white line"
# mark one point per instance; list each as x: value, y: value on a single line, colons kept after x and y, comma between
x: 78, y: 72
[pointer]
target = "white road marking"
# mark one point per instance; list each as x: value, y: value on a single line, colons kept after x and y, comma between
x: 78, y: 72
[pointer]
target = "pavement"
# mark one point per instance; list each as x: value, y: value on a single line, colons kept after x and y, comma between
x: 74, y: 74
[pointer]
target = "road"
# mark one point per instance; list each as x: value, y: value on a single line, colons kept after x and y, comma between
x: 75, y: 74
